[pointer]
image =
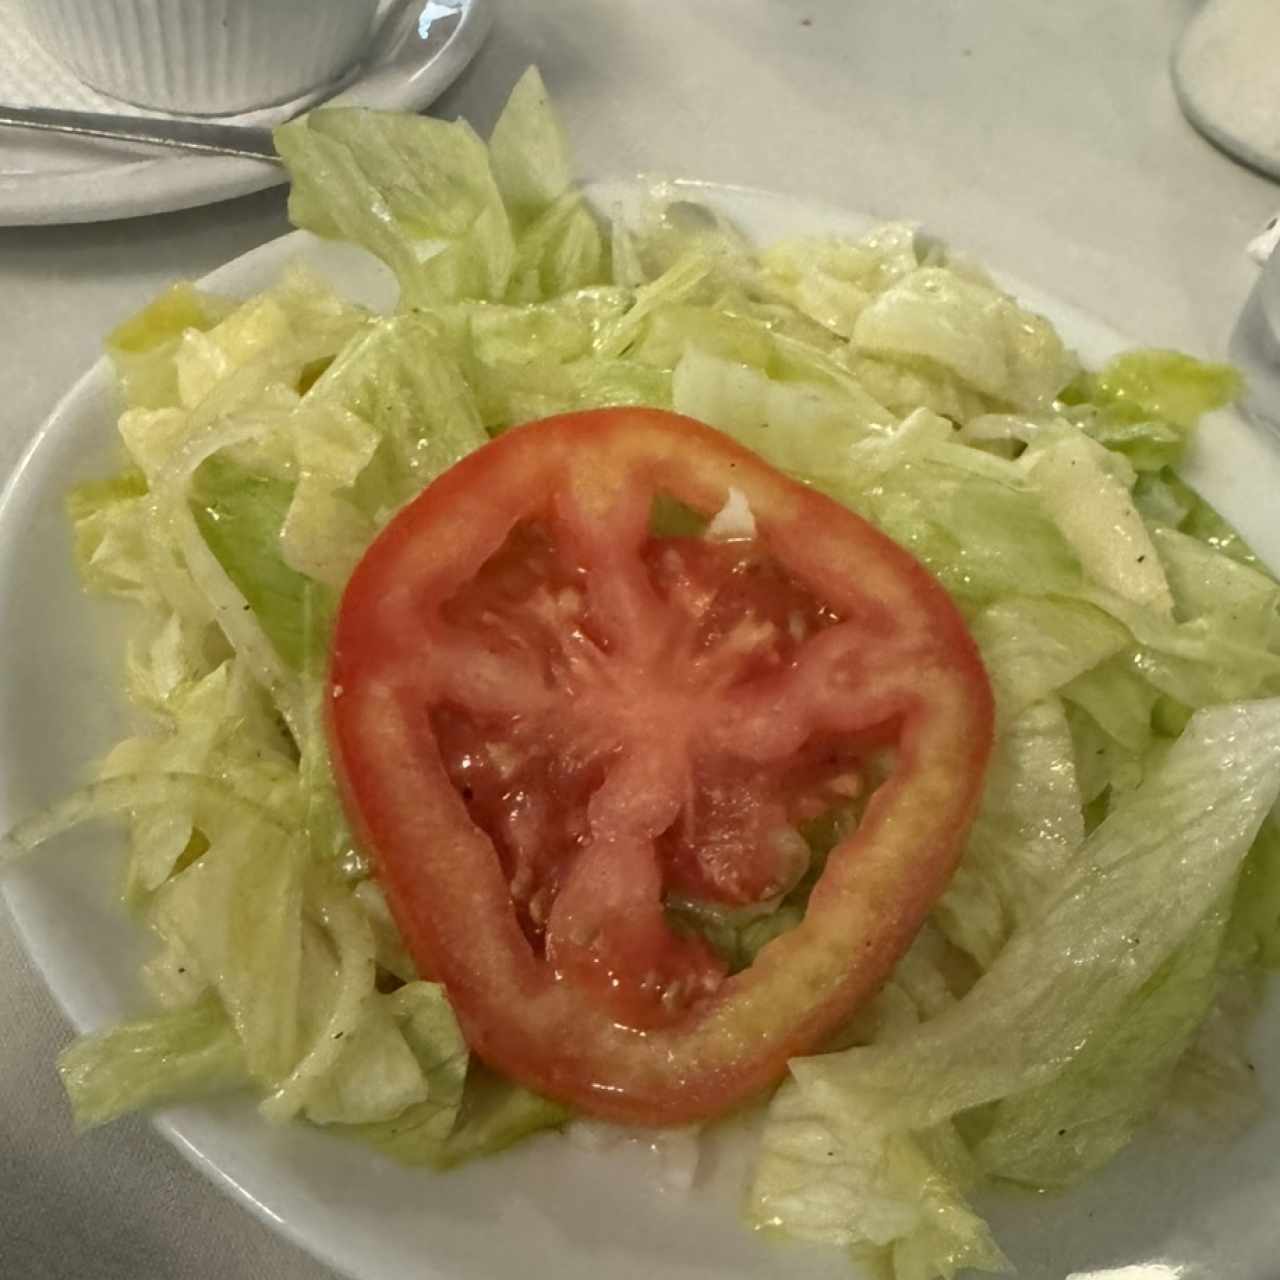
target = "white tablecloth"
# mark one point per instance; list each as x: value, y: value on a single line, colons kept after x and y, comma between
x: 1041, y: 135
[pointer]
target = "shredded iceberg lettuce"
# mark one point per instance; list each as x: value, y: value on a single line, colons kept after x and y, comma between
x: 1121, y: 885
x: 1065, y: 1039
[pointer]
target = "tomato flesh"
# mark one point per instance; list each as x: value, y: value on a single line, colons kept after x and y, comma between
x: 712, y: 830
x: 548, y: 720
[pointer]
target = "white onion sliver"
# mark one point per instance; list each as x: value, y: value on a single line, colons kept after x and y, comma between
x: 353, y: 938
x: 173, y: 524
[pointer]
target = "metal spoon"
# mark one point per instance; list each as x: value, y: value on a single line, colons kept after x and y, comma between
x: 410, y: 33
x: 249, y: 141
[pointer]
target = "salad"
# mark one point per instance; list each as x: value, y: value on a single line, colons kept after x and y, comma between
x: 1090, y: 964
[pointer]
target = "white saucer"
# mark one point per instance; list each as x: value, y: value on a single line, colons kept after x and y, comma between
x: 47, y: 179
x: 1226, y: 74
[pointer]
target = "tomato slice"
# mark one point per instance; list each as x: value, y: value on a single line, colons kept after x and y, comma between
x: 548, y: 721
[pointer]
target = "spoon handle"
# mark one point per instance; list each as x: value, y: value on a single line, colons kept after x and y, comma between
x: 187, y: 135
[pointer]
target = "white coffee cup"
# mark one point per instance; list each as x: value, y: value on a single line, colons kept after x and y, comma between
x: 203, y: 57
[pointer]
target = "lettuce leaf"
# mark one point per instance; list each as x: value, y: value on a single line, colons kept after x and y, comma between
x: 416, y: 192
x: 1025, y: 838
x: 151, y: 1062
x: 240, y: 516
x: 1128, y: 905
x: 529, y: 152
x: 143, y: 347
x: 1053, y: 1135
x: 237, y: 912
x: 1166, y: 385
x: 971, y: 330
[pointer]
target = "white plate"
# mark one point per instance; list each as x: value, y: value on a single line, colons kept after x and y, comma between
x: 48, y: 179
x: 546, y: 1211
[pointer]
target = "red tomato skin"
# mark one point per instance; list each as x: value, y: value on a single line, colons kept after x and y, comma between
x: 440, y: 871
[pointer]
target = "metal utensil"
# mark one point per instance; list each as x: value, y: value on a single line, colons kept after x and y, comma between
x: 188, y: 135
x: 410, y: 34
